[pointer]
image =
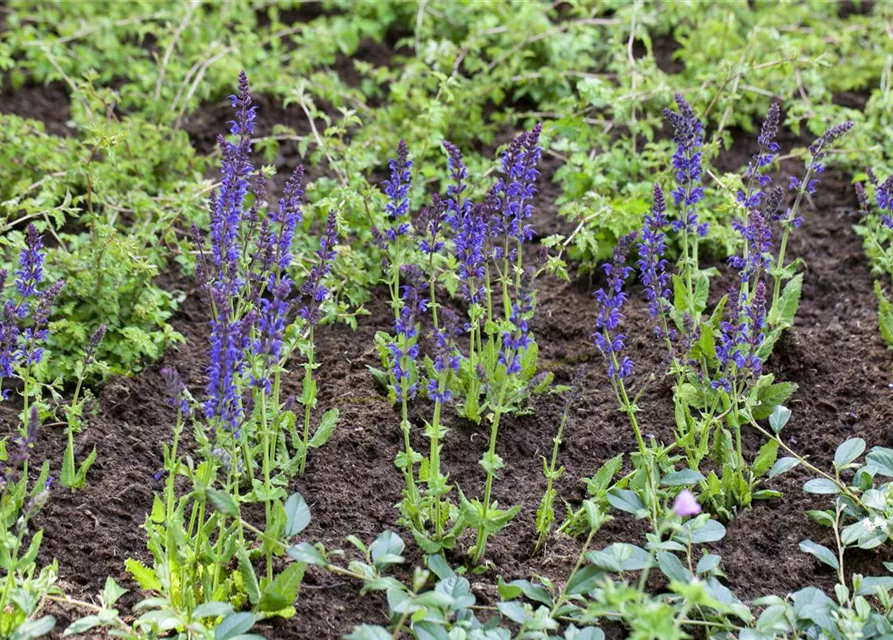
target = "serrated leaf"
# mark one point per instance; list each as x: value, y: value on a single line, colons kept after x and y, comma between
x: 325, y: 430
x: 765, y: 458
x: 144, y: 576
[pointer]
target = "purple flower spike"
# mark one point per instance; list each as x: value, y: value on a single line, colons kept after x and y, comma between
x: 175, y: 390
x: 687, y: 162
x: 314, y: 289
x: 30, y: 272
x: 397, y: 191
x: 686, y: 504
x: 609, y: 341
x: 93, y: 344
x: 652, y: 264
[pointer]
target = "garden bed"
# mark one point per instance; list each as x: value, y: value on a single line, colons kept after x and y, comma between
x: 834, y: 354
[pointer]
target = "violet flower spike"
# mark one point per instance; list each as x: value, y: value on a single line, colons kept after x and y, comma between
x: 397, y: 191
x: 609, y: 341
x: 30, y: 272
x: 515, y: 188
x: 687, y: 162
x: 175, y: 390
x: 404, y: 349
x: 652, y: 264
x: 228, y: 202
x: 446, y: 354
x: 754, y: 179
x: 314, y: 289
x: 93, y: 344
x: 470, y: 247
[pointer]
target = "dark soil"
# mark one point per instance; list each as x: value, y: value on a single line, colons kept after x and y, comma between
x: 47, y: 103
x: 835, y: 354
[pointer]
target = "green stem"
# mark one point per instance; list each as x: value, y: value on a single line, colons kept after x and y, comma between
x: 556, y: 443
x: 308, y: 381
x: 481, y: 543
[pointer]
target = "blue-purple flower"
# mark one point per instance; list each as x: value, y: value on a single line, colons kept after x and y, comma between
x: 470, y: 245
x: 516, y: 341
x: 30, y: 271
x: 515, y: 189
x: 175, y: 391
x: 314, y: 289
x: 687, y: 162
x: 397, y: 191
x: 815, y: 165
x: 607, y: 337
x: 754, y: 179
x: 404, y: 349
x: 740, y: 339
x: 652, y: 264
x: 227, y: 203
x: 446, y: 354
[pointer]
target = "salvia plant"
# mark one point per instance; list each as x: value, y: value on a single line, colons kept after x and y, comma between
x: 485, y: 364
x: 23, y: 586
x: 876, y: 227
x: 252, y: 441
x: 715, y: 359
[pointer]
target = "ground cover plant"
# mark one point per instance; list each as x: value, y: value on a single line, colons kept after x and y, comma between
x: 446, y: 320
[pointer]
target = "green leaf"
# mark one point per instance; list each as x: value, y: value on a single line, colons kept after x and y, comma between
x: 308, y: 554
x: 779, y: 417
x: 249, y: 577
x: 584, y: 580
x: 81, y: 477
x: 823, y: 518
x: 671, y: 566
x: 880, y: 461
x: 111, y: 592
x: 822, y: 553
x: 682, y: 478
x: 626, y: 500
x: 369, y: 632
x: 783, y: 465
x: 770, y: 396
x: 233, y: 626
x: 440, y: 567
x: 283, y: 591
x: 34, y: 628
x: 82, y: 626
x: 885, y: 315
x: 765, y: 458
x: 387, y: 548
x: 144, y: 576
x: 224, y: 502
x: 709, y: 531
x: 848, y: 451
x: 821, y: 486
x: 326, y: 427
x: 297, y: 513
x: 785, y: 311
x: 212, y: 609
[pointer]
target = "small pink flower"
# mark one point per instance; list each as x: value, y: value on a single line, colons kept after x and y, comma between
x: 686, y: 504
